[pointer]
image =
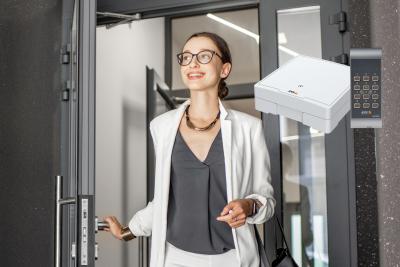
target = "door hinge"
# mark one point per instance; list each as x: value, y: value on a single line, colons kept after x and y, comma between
x: 65, y: 91
x: 65, y: 95
x: 66, y: 54
x: 340, y: 19
x: 73, y: 250
x: 124, y: 18
x: 342, y: 59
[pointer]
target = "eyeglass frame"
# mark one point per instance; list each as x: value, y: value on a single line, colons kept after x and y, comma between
x: 193, y: 55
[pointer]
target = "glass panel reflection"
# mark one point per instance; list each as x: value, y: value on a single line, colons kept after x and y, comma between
x: 303, y: 150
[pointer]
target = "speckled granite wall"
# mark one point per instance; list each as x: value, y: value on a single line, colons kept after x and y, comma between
x: 376, y: 23
x: 30, y: 106
x: 385, y: 33
x: 364, y: 153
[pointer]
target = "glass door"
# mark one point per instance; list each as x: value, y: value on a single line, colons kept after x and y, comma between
x: 303, y: 150
x: 309, y: 169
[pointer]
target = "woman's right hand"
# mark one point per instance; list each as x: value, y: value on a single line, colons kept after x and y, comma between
x: 114, y: 227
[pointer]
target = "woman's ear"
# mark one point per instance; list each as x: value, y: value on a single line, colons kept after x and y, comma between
x: 226, y: 69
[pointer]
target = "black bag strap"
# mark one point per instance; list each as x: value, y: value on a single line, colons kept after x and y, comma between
x: 283, y: 235
x: 264, y: 262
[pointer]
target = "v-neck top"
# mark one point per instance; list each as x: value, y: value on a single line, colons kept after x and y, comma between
x: 197, y: 196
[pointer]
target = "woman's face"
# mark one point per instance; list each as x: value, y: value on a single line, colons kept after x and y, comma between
x: 197, y: 76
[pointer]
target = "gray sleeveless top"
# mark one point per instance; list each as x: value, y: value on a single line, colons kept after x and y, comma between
x: 197, y: 196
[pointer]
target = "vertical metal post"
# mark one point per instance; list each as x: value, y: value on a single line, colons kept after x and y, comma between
x: 58, y: 222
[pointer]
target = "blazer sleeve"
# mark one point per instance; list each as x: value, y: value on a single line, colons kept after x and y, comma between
x: 142, y: 222
x: 262, y: 188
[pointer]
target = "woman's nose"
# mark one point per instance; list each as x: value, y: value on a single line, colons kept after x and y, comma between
x: 194, y: 62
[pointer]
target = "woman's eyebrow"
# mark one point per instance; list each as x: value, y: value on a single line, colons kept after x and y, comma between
x: 201, y: 49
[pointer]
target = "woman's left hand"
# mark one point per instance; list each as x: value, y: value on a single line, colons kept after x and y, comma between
x: 236, y: 212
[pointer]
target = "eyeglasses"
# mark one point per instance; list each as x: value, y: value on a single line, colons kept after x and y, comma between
x: 202, y: 57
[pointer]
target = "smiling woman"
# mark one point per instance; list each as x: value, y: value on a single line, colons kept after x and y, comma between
x: 238, y: 28
x: 206, y: 194
x: 206, y: 69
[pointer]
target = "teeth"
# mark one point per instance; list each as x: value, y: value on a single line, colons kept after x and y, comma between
x: 195, y: 75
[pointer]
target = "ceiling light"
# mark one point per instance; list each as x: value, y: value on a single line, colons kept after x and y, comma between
x: 282, y: 38
x: 234, y: 26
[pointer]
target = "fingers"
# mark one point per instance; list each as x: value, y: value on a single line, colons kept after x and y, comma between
x: 114, y: 227
x: 236, y: 211
x: 235, y: 220
x: 237, y: 223
x: 227, y: 208
x: 234, y: 214
x: 113, y: 223
x: 111, y: 220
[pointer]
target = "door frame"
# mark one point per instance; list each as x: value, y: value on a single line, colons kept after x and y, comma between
x: 78, y: 127
x: 171, y: 8
x: 340, y: 160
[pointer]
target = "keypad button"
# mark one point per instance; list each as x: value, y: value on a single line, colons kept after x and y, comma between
x: 375, y: 96
x: 357, y: 78
x: 366, y: 105
x: 366, y: 87
x: 365, y: 96
x: 375, y: 105
x: 357, y: 105
x: 375, y: 78
x: 357, y: 87
x: 365, y: 78
x: 357, y: 96
x: 375, y: 87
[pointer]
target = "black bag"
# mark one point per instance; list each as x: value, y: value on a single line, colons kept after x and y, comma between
x: 283, y: 259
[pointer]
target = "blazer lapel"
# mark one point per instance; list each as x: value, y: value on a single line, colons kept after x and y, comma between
x: 226, y: 131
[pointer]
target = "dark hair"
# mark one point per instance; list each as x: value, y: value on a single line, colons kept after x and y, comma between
x: 225, y: 56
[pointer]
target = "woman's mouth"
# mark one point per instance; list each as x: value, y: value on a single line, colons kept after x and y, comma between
x: 195, y: 75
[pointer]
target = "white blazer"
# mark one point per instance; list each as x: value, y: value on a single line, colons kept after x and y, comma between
x: 247, y: 169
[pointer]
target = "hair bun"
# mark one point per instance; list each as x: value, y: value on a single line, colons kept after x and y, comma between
x: 222, y: 89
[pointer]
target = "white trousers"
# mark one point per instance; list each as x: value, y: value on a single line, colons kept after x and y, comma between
x: 175, y: 257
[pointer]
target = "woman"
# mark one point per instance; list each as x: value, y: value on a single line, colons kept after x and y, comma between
x: 212, y: 172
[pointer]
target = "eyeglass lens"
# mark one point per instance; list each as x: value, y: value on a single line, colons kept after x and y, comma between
x: 203, y: 57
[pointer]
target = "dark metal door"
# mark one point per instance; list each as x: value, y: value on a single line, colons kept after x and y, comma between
x: 75, y: 218
x: 86, y: 127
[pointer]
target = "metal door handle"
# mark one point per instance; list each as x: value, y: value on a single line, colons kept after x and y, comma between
x: 100, y: 225
x: 59, y: 203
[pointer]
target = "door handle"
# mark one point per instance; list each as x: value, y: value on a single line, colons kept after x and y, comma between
x: 101, y: 225
x: 59, y: 203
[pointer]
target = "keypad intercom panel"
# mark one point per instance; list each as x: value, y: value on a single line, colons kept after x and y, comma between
x: 366, y: 90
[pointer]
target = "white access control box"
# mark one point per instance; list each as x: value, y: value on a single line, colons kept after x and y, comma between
x: 310, y: 90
